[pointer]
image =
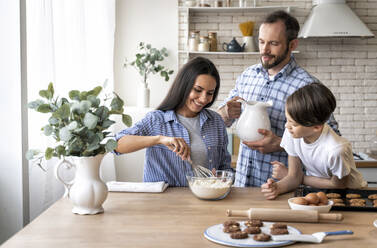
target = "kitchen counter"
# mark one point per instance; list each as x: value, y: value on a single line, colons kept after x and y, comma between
x: 174, y: 218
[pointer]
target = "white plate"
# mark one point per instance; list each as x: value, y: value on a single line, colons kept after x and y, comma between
x: 375, y: 223
x: 216, y: 234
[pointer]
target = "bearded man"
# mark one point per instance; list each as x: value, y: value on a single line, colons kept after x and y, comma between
x: 275, y: 78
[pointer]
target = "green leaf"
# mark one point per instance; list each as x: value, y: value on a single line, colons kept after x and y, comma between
x: 95, y: 91
x: 107, y: 123
x: 62, y: 101
x: 65, y: 134
x: 83, y: 95
x: 47, y: 130
x: 117, y: 103
x: 31, y: 153
x: 127, y: 120
x: 62, y: 112
x: 50, y: 90
x: 35, y: 104
x: 45, y: 94
x: 48, y: 153
x: 84, y: 106
x: 94, y: 101
x: 90, y: 120
x: 102, y: 112
x: 44, y: 108
x: 111, y: 145
x: 74, y: 95
x: 53, y: 121
x: 72, y: 125
x: 60, y: 150
x: 92, y: 147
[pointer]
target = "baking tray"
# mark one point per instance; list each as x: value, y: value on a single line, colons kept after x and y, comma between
x: 304, y: 190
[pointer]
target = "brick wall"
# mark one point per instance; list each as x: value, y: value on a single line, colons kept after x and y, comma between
x: 348, y: 66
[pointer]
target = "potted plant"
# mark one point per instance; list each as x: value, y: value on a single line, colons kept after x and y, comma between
x: 80, y: 126
x: 147, y: 62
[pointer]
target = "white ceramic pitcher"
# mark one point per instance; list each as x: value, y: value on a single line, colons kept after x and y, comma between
x: 87, y: 191
x: 254, y: 116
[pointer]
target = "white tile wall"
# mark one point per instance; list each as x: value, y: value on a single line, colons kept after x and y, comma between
x: 348, y: 66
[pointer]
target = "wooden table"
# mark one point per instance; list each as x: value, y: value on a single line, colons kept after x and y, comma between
x: 171, y: 219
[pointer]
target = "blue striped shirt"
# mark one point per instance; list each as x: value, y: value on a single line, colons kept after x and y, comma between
x: 254, y: 84
x: 160, y: 163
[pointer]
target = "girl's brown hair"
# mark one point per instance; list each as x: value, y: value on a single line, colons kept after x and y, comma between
x: 311, y: 105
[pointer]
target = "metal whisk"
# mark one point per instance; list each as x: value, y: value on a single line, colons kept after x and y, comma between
x: 200, y: 171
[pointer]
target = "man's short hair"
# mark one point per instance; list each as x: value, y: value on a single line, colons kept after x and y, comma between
x: 311, y: 105
x: 292, y: 27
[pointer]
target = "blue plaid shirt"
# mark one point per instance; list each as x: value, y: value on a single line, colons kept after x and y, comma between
x: 161, y: 164
x: 254, y: 84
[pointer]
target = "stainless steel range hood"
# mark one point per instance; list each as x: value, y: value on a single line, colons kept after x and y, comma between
x: 333, y: 18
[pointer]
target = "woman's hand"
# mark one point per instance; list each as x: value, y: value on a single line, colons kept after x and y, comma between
x: 177, y: 145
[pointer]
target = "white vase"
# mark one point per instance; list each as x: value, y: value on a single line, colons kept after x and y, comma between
x: 143, y: 96
x: 249, y: 44
x: 87, y: 191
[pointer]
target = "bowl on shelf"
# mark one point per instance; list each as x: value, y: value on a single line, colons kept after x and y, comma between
x: 211, y: 188
x: 320, y: 208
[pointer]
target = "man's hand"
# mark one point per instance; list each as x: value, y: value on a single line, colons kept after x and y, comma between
x: 269, y: 143
x: 231, y: 110
x: 279, y: 170
x: 269, y: 189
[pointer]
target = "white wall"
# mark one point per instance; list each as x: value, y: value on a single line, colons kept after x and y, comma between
x: 156, y: 23
x: 11, y: 196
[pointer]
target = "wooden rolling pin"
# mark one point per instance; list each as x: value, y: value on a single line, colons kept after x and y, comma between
x: 273, y: 214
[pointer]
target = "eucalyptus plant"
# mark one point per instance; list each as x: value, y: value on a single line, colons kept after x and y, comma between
x: 79, y: 125
x: 148, y: 60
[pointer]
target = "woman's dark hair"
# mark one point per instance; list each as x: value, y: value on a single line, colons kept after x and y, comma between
x: 184, y: 82
x: 311, y: 105
x: 292, y: 27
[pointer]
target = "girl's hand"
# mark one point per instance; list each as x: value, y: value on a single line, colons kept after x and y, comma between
x: 269, y: 189
x: 279, y: 170
x: 177, y: 145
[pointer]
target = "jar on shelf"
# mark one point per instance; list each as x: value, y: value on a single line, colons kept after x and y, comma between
x: 203, y: 44
x: 212, y: 36
x: 204, y: 3
x: 218, y: 3
x: 193, y: 41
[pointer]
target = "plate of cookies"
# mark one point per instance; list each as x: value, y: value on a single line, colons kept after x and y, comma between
x: 249, y: 233
x: 346, y: 199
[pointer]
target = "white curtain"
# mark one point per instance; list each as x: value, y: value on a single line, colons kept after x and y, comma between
x: 70, y: 43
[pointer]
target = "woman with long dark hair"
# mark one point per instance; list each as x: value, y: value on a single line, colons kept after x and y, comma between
x: 181, y: 128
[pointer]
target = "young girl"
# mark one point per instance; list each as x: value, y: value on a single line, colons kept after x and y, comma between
x: 181, y: 128
x: 312, y: 144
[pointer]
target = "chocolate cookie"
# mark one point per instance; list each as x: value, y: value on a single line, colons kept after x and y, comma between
x: 252, y: 230
x: 231, y: 223
x: 239, y: 235
x: 254, y: 222
x: 279, y: 225
x: 231, y: 229
x: 279, y: 231
x: 333, y: 195
x: 372, y: 197
x: 262, y: 237
x: 352, y: 196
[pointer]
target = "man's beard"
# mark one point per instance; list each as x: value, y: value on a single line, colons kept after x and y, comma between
x: 278, y: 60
